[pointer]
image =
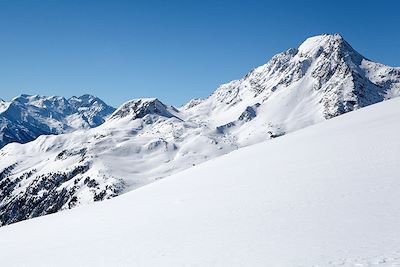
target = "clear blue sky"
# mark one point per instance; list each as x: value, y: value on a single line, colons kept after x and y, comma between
x: 173, y: 50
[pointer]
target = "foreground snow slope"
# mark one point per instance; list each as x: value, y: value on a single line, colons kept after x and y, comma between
x: 326, y: 195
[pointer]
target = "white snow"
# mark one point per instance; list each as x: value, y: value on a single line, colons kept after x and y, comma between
x: 3, y: 105
x: 145, y: 140
x: 327, y: 195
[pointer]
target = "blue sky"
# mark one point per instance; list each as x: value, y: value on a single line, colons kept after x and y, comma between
x: 173, y: 50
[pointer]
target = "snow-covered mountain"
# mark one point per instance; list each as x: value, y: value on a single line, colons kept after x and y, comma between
x: 145, y: 140
x: 323, y: 78
x: 26, y: 117
x: 323, y: 196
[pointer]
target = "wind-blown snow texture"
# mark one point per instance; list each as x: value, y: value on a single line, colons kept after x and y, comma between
x: 26, y: 117
x: 326, y: 195
x: 145, y: 140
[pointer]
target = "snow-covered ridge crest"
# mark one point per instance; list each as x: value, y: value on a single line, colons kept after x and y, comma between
x: 138, y: 108
x: 327, y: 43
x: 324, y: 76
x: 146, y: 140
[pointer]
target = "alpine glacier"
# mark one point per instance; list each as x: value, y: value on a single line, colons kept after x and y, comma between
x: 326, y: 195
x: 145, y: 140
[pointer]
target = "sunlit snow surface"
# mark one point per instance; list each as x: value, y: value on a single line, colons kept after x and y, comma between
x: 145, y: 140
x: 327, y: 195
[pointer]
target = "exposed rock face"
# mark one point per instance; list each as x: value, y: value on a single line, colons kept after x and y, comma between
x: 48, y: 193
x: 138, y: 108
x: 146, y: 140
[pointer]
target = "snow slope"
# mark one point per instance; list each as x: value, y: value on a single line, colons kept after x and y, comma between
x: 326, y: 195
x: 146, y: 140
x: 323, y: 78
x: 142, y: 142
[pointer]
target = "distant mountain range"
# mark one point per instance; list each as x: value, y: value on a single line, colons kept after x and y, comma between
x: 26, y: 117
x: 145, y: 140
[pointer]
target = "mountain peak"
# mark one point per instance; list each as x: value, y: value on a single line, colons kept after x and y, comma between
x: 138, y: 108
x: 319, y: 40
x: 86, y: 100
x: 148, y: 140
x: 85, y: 97
x: 325, y: 74
x: 329, y: 44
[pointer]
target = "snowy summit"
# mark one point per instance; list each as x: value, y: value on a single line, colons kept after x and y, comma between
x: 146, y: 140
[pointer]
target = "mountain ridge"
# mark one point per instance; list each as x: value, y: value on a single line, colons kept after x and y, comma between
x: 145, y: 140
x: 26, y: 117
x: 326, y: 195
